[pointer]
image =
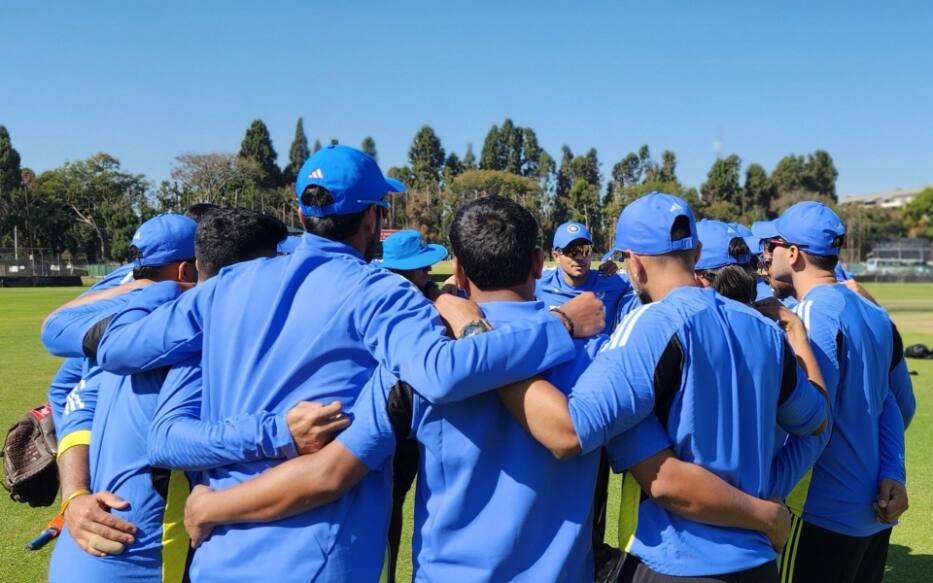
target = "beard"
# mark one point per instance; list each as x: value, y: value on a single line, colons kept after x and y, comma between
x: 370, y: 252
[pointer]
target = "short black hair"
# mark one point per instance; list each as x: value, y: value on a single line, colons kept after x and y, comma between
x: 197, y: 211
x: 333, y: 227
x: 146, y: 272
x: 733, y: 281
x: 738, y: 249
x: 229, y: 235
x: 680, y: 228
x: 823, y: 262
x: 494, y: 239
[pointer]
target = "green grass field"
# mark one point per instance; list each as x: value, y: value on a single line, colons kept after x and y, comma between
x: 25, y: 370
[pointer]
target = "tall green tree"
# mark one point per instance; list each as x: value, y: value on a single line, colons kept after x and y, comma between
x: 257, y: 146
x: 513, y: 138
x: 722, y: 187
x: 788, y: 175
x: 369, y: 146
x: 10, y: 172
x: 426, y: 156
x: 494, y: 155
x: 918, y: 214
x: 562, y: 183
x: 758, y: 192
x: 820, y: 174
x: 102, y: 198
x: 667, y: 172
x: 587, y: 168
x: 531, y: 154
x: 647, y: 167
x: 453, y: 167
x: 297, y: 154
x: 469, y: 158
x: 11, y: 181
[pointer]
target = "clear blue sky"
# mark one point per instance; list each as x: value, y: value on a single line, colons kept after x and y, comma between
x: 147, y: 80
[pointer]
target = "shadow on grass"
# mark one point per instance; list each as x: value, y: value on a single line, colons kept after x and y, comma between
x: 906, y: 567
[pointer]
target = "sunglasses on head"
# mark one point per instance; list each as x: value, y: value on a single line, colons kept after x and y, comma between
x: 577, y: 251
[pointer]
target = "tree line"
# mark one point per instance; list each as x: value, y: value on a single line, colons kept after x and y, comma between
x: 90, y: 208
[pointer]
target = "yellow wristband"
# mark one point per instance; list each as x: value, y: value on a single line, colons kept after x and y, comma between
x: 71, y: 497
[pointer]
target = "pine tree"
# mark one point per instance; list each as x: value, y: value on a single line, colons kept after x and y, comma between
x: 668, y: 171
x: 317, y: 146
x: 531, y: 153
x: 257, y: 146
x: 297, y: 154
x: 493, y: 156
x: 426, y: 156
x: 10, y: 172
x: 369, y: 146
x: 758, y: 191
x: 469, y: 159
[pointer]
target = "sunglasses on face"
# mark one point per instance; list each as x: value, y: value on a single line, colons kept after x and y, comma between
x: 577, y: 251
x: 773, y: 244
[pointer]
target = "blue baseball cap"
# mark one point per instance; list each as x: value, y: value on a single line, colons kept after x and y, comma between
x: 753, y: 242
x: 763, y: 230
x: 288, y: 245
x: 644, y: 226
x: 351, y: 177
x: 570, y: 232
x: 406, y: 250
x: 812, y: 226
x: 396, y: 185
x: 716, y: 237
x: 164, y: 239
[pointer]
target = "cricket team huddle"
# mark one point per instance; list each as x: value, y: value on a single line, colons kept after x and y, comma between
x: 239, y: 405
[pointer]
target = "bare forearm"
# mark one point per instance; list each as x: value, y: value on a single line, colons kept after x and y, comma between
x: 73, y: 470
x: 98, y: 296
x: 696, y: 493
x: 542, y: 410
x: 296, y: 486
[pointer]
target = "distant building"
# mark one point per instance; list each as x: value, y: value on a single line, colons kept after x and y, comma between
x: 893, y: 199
x: 902, y: 255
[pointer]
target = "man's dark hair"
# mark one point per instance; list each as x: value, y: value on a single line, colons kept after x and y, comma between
x: 738, y: 248
x: 333, y: 227
x: 197, y: 211
x: 732, y: 281
x: 680, y: 229
x: 146, y: 272
x: 823, y: 262
x: 229, y: 235
x: 494, y: 239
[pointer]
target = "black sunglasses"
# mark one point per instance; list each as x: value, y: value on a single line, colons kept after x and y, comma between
x: 773, y: 244
x: 577, y: 251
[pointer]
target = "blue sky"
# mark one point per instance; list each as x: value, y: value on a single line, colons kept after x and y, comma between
x: 148, y: 80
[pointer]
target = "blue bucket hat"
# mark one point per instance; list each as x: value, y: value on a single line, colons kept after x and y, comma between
x: 406, y: 250
x: 570, y: 232
x: 716, y: 237
x: 644, y: 226
x: 164, y: 239
x: 812, y: 226
x: 352, y: 178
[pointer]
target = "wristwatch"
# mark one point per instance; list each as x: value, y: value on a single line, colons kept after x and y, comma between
x: 475, y: 327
